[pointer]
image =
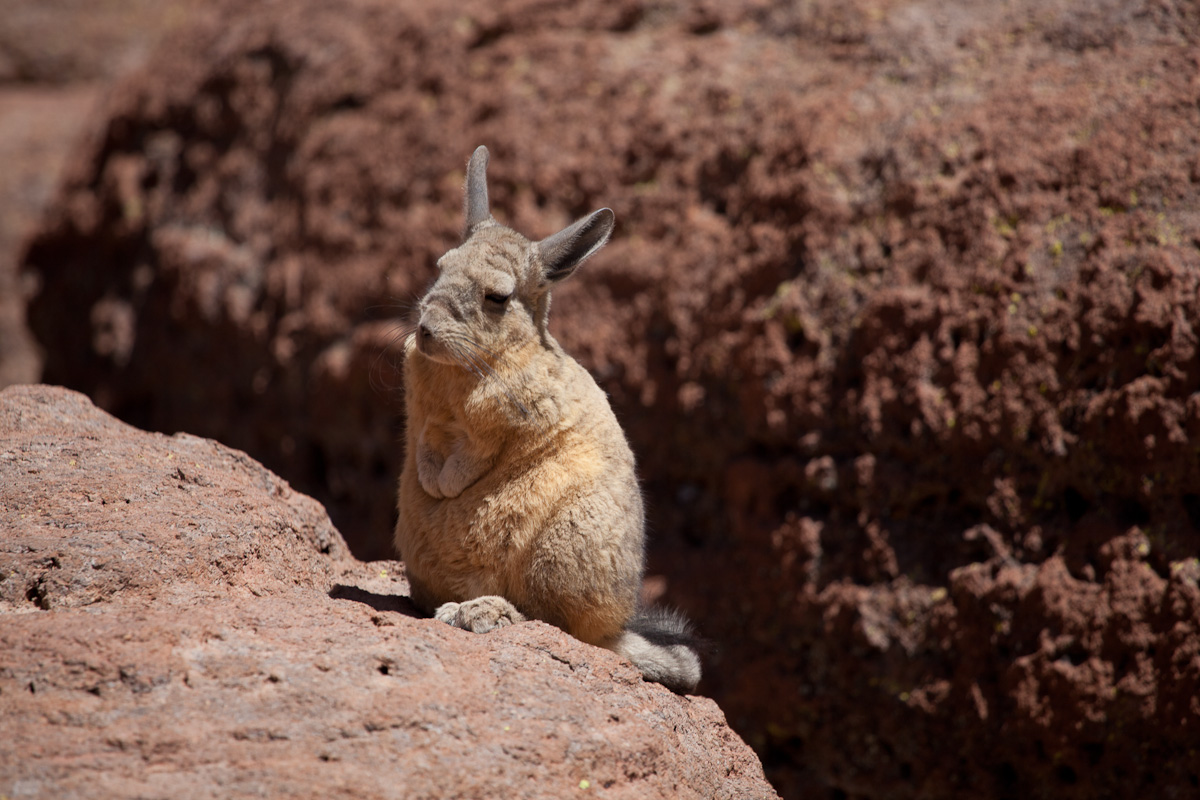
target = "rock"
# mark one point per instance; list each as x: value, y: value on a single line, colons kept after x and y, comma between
x: 900, y: 316
x: 176, y: 621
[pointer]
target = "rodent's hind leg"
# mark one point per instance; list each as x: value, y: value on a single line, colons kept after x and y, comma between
x: 480, y: 615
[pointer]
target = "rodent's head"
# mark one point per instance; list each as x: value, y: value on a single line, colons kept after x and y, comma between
x: 493, y: 291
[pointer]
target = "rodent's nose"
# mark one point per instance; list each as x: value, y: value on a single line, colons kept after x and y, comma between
x: 424, y: 332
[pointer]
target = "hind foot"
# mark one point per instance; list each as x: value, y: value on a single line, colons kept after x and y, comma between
x: 479, y: 615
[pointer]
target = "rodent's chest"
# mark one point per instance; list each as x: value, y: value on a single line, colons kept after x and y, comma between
x: 499, y: 514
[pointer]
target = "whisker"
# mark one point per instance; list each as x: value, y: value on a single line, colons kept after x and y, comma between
x: 462, y: 358
x: 467, y: 353
x: 493, y: 355
x: 469, y: 349
x: 395, y: 306
x: 387, y: 354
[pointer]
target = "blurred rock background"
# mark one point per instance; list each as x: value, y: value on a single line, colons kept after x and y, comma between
x: 57, y: 59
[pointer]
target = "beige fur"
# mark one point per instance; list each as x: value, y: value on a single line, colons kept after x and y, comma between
x: 519, y: 497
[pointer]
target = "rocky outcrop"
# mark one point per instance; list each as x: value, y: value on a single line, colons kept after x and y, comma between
x: 176, y: 621
x: 900, y: 315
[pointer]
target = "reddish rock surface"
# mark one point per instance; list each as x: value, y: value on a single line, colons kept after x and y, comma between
x: 901, y: 317
x: 176, y: 621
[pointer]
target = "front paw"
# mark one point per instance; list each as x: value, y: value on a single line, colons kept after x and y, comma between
x: 479, y: 615
x: 429, y: 480
x: 458, y: 473
x: 429, y: 470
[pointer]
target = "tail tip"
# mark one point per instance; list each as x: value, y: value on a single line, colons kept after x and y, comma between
x: 662, y: 645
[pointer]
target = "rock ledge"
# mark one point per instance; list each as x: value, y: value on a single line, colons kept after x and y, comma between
x: 176, y: 621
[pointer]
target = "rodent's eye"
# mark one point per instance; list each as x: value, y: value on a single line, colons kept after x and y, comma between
x: 496, y: 299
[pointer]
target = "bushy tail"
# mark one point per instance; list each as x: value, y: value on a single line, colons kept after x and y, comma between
x: 661, y: 644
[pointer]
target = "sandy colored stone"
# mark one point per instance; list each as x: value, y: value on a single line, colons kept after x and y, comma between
x: 176, y: 621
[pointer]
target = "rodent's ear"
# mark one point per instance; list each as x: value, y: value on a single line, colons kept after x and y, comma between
x: 476, y: 194
x: 567, y: 249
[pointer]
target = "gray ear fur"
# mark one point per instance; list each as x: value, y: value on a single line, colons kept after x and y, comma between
x: 564, y: 251
x: 477, y: 207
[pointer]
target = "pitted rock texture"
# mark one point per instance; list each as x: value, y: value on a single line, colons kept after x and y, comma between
x: 175, y: 621
x: 901, y: 318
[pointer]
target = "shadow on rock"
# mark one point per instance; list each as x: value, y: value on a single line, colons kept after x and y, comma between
x: 380, y: 602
